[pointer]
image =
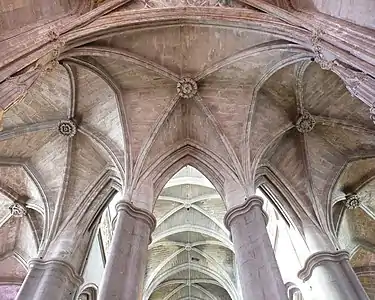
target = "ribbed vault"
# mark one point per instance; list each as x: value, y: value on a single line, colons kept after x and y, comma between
x: 354, y: 220
x: 191, y: 256
x: 262, y: 106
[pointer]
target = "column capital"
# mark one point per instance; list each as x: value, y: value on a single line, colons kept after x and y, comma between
x: 245, y: 207
x: 317, y: 259
x: 40, y: 264
x: 137, y: 213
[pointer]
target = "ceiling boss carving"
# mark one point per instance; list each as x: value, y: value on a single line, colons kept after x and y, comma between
x: 187, y: 88
x: 352, y: 201
x: 305, y: 123
x: 67, y: 128
x: 18, y: 210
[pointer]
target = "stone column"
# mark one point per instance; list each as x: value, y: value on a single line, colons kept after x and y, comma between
x: 259, y: 274
x: 53, y: 279
x: 331, y: 277
x: 126, y: 264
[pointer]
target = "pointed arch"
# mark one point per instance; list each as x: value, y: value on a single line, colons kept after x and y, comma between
x: 284, y: 200
x: 334, y: 201
x: 195, y: 267
x: 199, y: 229
x: 280, y: 195
x: 206, y: 162
x: 127, y: 20
x: 36, y: 179
x: 89, y: 292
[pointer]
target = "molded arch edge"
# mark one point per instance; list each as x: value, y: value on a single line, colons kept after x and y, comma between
x: 89, y: 289
x: 199, y: 229
x: 206, y: 162
x: 283, y: 199
x: 34, y: 177
x: 280, y: 195
x: 78, y: 228
x: 229, y: 287
x: 126, y: 20
x: 169, y: 259
x: 108, y: 146
x: 17, y: 256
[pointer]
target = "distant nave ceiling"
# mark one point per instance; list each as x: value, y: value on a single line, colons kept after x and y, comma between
x: 191, y: 255
x: 120, y: 93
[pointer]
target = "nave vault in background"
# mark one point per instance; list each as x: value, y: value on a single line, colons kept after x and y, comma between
x: 116, y: 99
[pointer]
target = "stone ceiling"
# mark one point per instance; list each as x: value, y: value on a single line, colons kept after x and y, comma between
x: 363, y: 14
x: 110, y: 111
x: 191, y: 255
x: 355, y: 226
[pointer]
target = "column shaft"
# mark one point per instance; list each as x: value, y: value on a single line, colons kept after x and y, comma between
x: 259, y: 274
x: 332, y: 277
x: 52, y: 279
x: 125, y: 268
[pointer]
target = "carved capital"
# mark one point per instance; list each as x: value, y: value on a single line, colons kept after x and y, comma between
x: 320, y: 57
x: 318, y: 259
x: 187, y: 88
x: 50, y: 61
x: 306, y: 122
x: 56, y: 264
x: 137, y: 213
x: 18, y: 210
x: 242, y: 209
x: 324, y: 63
x: 352, y: 201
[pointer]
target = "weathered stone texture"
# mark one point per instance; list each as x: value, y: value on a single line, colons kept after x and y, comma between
x: 281, y: 96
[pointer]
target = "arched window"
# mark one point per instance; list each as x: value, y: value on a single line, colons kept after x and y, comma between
x: 287, y: 247
x: 96, y: 256
x: 293, y: 292
x: 89, y: 293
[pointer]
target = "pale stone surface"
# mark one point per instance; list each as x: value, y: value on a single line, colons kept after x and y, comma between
x: 259, y: 274
x: 9, y: 292
x: 126, y: 265
x: 113, y: 66
x: 49, y: 280
x: 328, y: 271
x: 191, y: 255
x: 332, y: 277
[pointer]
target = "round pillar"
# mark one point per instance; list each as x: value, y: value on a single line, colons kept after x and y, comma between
x: 126, y: 264
x: 331, y: 277
x: 259, y: 273
x: 52, y: 279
